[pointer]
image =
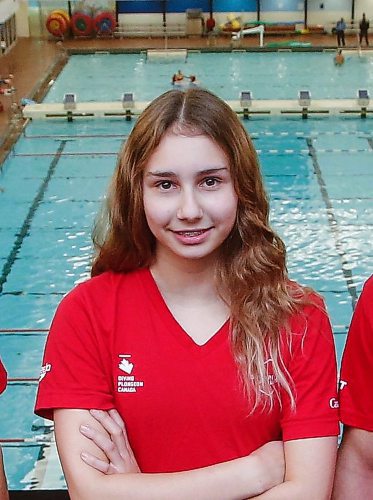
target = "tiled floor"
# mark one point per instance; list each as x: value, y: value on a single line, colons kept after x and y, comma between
x: 31, y: 59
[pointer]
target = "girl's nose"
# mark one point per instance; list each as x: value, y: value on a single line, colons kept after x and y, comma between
x: 189, y: 206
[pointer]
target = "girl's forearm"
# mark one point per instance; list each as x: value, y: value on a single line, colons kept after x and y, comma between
x: 292, y: 490
x: 238, y: 479
x: 241, y: 478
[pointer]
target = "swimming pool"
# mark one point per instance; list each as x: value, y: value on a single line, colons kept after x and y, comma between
x: 271, y: 75
x: 318, y: 173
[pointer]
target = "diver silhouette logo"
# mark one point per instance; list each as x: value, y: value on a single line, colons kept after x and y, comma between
x: 124, y: 364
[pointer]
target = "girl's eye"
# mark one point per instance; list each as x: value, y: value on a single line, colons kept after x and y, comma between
x: 211, y: 181
x: 165, y: 185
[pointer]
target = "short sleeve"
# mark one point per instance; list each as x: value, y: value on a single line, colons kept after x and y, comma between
x: 355, y: 394
x: 313, y: 370
x: 76, y: 362
x: 3, y: 378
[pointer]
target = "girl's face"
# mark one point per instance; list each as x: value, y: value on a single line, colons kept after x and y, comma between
x: 189, y: 200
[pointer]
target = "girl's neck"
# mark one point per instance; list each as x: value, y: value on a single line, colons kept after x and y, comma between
x: 189, y: 291
x: 182, y: 278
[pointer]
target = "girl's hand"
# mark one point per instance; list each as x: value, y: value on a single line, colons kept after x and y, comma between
x: 114, y: 444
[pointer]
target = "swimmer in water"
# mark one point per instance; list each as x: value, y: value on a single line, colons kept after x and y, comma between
x: 178, y: 77
x: 193, y: 81
x: 339, y: 58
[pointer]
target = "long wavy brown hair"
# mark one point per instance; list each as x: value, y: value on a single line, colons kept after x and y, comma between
x: 251, y: 270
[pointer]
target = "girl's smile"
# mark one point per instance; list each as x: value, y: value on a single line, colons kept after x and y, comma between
x: 192, y: 237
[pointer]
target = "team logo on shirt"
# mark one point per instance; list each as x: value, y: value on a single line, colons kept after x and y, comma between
x: 342, y: 384
x: 128, y: 382
x: 124, y: 364
x: 334, y: 403
x: 272, y: 379
x: 44, y: 370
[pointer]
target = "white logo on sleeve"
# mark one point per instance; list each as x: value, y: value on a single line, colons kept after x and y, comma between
x: 342, y: 384
x: 333, y: 403
x: 124, y: 364
x: 44, y: 370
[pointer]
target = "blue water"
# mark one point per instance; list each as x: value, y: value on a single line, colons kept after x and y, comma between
x: 55, y: 179
x: 272, y: 75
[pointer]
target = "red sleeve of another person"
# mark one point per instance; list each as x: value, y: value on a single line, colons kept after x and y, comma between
x: 313, y: 370
x: 2, y: 378
x: 356, y: 394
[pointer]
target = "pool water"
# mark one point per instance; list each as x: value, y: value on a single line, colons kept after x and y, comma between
x: 318, y: 173
x: 272, y: 75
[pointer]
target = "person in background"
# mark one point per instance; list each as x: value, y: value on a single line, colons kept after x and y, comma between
x: 193, y: 82
x: 3, y: 482
x: 203, y: 27
x: 7, y: 91
x: 340, y: 32
x: 210, y: 24
x: 6, y: 80
x: 190, y: 364
x: 339, y: 58
x: 364, y: 27
x: 354, y: 473
x: 177, y: 77
x: 6, y: 87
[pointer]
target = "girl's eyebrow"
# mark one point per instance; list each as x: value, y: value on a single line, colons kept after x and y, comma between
x: 163, y: 174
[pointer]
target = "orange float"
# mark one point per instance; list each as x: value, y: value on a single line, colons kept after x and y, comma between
x: 58, y: 23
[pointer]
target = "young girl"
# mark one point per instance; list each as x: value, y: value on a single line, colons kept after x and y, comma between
x: 190, y: 331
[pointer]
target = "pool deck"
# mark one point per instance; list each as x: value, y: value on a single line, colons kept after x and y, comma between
x: 33, y: 60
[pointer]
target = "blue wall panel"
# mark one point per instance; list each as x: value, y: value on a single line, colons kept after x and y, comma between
x: 152, y: 6
x: 281, y: 5
x: 183, y: 5
x: 234, y: 5
x: 330, y: 5
x: 131, y: 7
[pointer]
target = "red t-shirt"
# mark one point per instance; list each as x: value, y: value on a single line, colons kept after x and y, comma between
x: 210, y: 24
x: 114, y: 343
x: 3, y: 378
x: 356, y: 394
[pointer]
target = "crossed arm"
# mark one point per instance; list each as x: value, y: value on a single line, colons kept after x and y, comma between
x: 90, y: 474
x: 354, y: 474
